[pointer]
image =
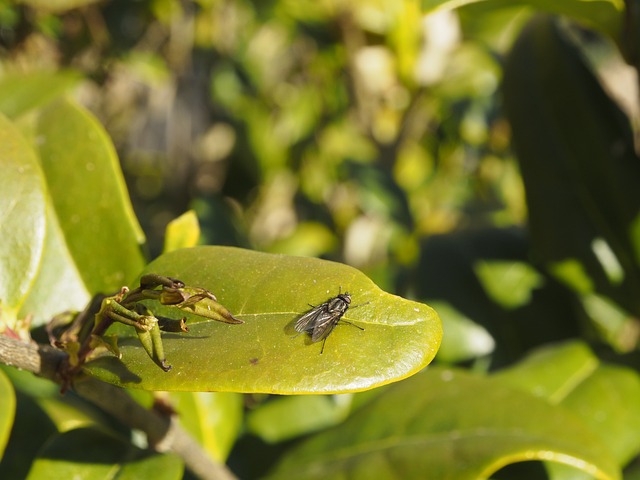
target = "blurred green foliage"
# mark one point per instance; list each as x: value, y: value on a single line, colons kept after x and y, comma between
x: 475, y: 155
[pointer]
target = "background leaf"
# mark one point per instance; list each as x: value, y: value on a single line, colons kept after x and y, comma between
x: 464, y: 339
x: 91, y: 454
x: 7, y: 410
x: 603, y: 15
x: 270, y: 292
x: 576, y: 152
x: 572, y: 376
x: 182, y: 232
x: 214, y: 419
x: 20, y: 93
x: 282, y: 418
x: 448, y: 424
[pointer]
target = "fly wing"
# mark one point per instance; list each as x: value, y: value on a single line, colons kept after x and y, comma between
x: 307, y: 322
x: 324, y: 326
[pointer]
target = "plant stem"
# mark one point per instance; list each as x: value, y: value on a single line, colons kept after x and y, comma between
x: 163, y: 433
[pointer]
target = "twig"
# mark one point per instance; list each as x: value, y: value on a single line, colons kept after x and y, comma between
x: 163, y: 433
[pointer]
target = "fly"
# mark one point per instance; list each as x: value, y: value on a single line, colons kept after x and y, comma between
x: 320, y: 321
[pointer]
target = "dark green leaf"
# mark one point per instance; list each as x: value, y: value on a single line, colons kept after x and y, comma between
x: 580, y: 170
x: 7, y: 410
x: 92, y: 454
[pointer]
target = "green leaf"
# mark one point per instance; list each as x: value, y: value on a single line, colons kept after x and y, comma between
x: 576, y: 153
x: 213, y: 419
x: 448, y: 424
x: 20, y: 93
x: 603, y: 15
x: 22, y: 219
x: 572, y: 363
x: 265, y: 354
x: 615, y: 325
x: 465, y: 339
x: 92, y: 454
x: 508, y: 283
x: 58, y: 286
x: 65, y: 411
x: 89, y: 197
x: 7, y: 410
x: 32, y: 427
x: 182, y: 232
x: 572, y: 376
x: 283, y: 418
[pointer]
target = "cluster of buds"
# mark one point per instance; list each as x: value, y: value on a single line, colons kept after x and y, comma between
x: 85, y: 338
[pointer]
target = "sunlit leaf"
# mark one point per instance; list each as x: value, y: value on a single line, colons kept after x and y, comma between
x: 572, y: 376
x: 464, y: 339
x: 603, y: 15
x: 265, y: 354
x: 283, y: 418
x: 90, y: 197
x: 508, y: 283
x: 212, y: 418
x: 182, y: 232
x: 58, y: 286
x: 448, y: 424
x: 617, y: 326
x: 22, y: 219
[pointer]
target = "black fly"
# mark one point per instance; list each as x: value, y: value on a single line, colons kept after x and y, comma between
x: 320, y: 321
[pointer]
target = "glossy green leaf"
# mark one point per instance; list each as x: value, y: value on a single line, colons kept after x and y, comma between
x: 270, y: 292
x: 212, y: 418
x: 58, y: 286
x: 576, y: 152
x: 572, y: 363
x: 20, y: 93
x: 92, y: 454
x: 283, y: 418
x: 463, y: 339
x: 448, y: 424
x: 603, y: 15
x: 89, y: 197
x: 572, y: 376
x: 22, y: 219
x: 182, y: 232
x: 7, y: 410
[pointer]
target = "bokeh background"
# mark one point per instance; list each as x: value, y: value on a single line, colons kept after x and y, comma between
x: 371, y: 132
